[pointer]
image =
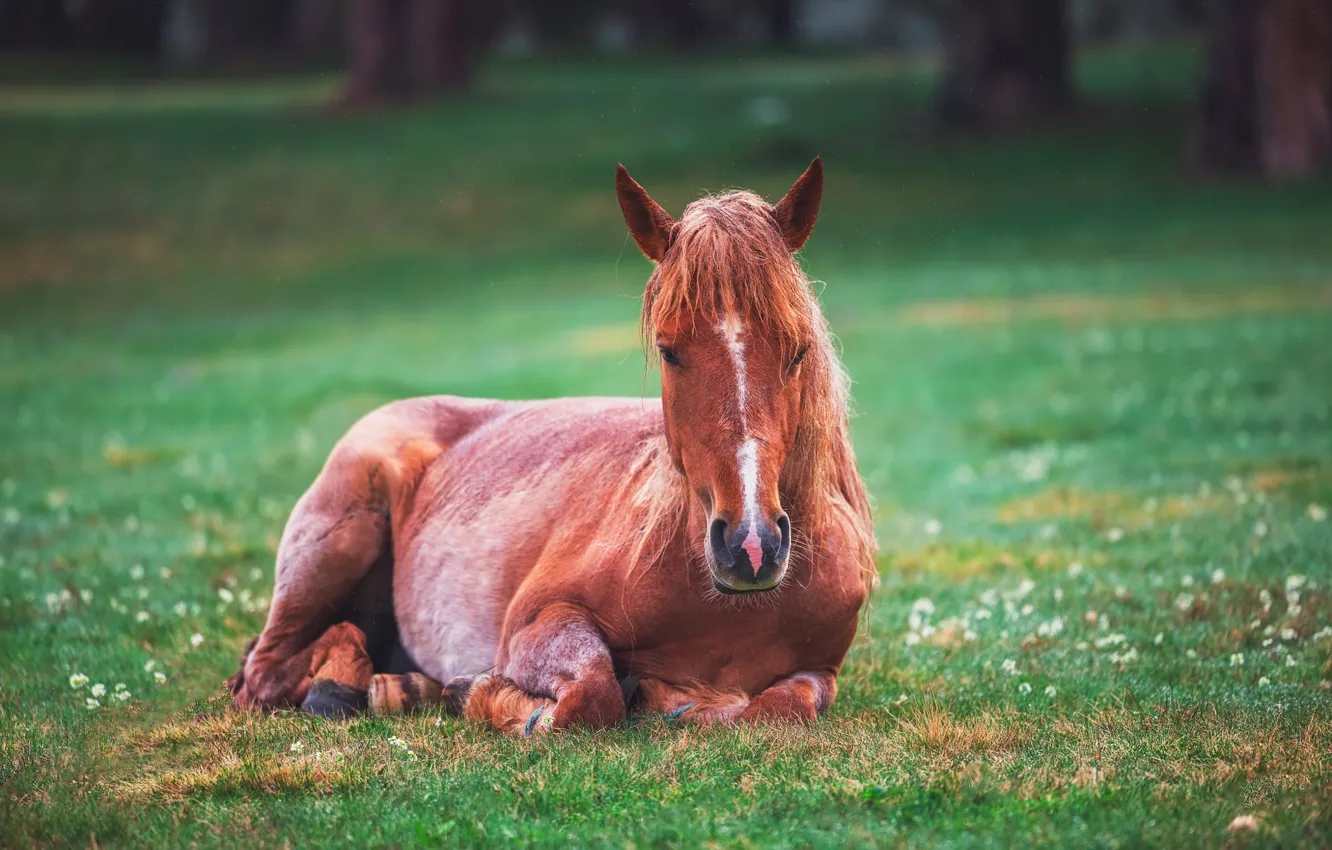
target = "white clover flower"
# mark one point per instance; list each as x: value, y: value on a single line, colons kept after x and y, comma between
x: 983, y: 614
x: 1114, y: 535
x: 1191, y: 653
x: 225, y: 595
x: 1125, y: 657
x: 1110, y: 640
x: 121, y: 696
x: 1009, y: 666
x: 1237, y: 659
x: 1291, y: 662
x: 900, y: 699
x: 159, y: 677
x: 1187, y: 581
x: 180, y: 609
x: 912, y: 638
x: 1264, y: 682
x: 1317, y: 512
x: 164, y: 573
x: 1265, y: 597
x: 1260, y: 529
x: 136, y: 572
x: 1218, y: 576
x: 1159, y: 639
x: 1288, y: 634
x: 141, y: 617
x: 196, y: 639
x: 1024, y: 688
x: 1075, y: 569
x: 1051, y: 627
x: 149, y: 665
x: 296, y: 746
x: 922, y: 605
x: 1059, y: 594
x: 1184, y: 601
x: 120, y: 686
x: 933, y: 527
x: 969, y: 635
x: 1322, y: 634
x: 256, y: 573
x: 78, y: 680
x: 91, y: 704
x: 1294, y: 583
x: 98, y: 690
x: 1050, y: 691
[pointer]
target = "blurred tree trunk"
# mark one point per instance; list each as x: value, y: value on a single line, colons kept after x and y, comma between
x: 781, y: 21
x: 1009, y: 62
x: 1266, y: 104
x: 401, y: 48
x: 317, y: 28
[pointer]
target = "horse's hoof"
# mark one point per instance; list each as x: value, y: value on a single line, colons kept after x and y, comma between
x: 403, y: 693
x: 334, y: 700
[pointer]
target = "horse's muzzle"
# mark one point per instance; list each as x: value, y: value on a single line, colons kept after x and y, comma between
x: 748, y: 557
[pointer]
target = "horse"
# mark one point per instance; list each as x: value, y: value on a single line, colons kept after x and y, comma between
x: 539, y: 565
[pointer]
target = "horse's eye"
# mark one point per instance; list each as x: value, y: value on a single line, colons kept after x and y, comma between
x: 668, y: 356
x: 800, y: 355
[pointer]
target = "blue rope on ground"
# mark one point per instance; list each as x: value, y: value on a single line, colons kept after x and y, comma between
x: 532, y: 722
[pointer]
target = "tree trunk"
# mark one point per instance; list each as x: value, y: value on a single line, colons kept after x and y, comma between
x: 438, y: 48
x: 401, y: 48
x: 1009, y: 63
x: 1266, y: 104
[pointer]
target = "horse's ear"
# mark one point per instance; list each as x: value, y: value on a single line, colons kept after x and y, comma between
x: 649, y: 224
x: 796, y: 212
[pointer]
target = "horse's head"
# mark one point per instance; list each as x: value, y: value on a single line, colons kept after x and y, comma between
x: 741, y: 342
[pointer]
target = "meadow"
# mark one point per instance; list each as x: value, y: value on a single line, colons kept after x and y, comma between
x: 1092, y: 405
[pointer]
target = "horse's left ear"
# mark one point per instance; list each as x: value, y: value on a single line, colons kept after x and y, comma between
x: 796, y: 212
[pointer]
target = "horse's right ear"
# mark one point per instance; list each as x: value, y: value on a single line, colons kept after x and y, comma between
x: 649, y: 224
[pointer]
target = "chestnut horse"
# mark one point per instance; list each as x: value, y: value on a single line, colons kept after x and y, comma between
x: 561, y: 562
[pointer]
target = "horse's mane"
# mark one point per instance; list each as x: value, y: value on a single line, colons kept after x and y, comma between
x: 728, y: 257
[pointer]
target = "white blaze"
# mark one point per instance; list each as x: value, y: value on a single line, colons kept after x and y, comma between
x: 747, y: 454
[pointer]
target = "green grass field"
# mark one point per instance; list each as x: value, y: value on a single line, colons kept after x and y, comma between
x: 1093, y: 398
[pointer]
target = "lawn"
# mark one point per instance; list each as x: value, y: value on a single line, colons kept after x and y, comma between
x: 1092, y: 393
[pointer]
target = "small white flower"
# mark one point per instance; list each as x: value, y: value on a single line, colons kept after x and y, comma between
x: 1218, y: 576
x: 98, y: 690
x: 136, y: 572
x: 933, y: 527
x: 1322, y: 634
x: 1237, y: 659
x: 225, y: 595
x: 297, y: 746
x: 1265, y: 597
x: 1243, y: 823
x: 1075, y: 569
x: 1115, y: 535
x: 912, y: 638
x: 1291, y: 662
x: 1050, y: 691
x: 1159, y: 639
x: 1264, y: 682
x: 121, y: 696
x: 1260, y: 529
x: 1009, y: 666
x: 1024, y: 688
x: 141, y: 617
x: 922, y: 606
x: 196, y: 639
x: 1288, y: 634
x: 1317, y: 512
x: 159, y: 677
x: 91, y: 704
x: 256, y: 573
x: 78, y: 680
x: 1184, y: 601
x: 149, y: 665
x: 1191, y: 653
x: 1187, y: 581
x: 164, y: 573
x: 180, y: 609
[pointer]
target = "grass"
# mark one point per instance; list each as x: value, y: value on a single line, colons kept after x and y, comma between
x: 1092, y: 403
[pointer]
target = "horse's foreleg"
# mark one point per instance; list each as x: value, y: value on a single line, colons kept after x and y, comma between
x: 690, y: 704
x: 798, y: 698
x: 559, y: 674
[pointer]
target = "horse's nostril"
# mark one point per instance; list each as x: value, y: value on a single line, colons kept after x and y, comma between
x: 784, y: 526
x: 717, y: 538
